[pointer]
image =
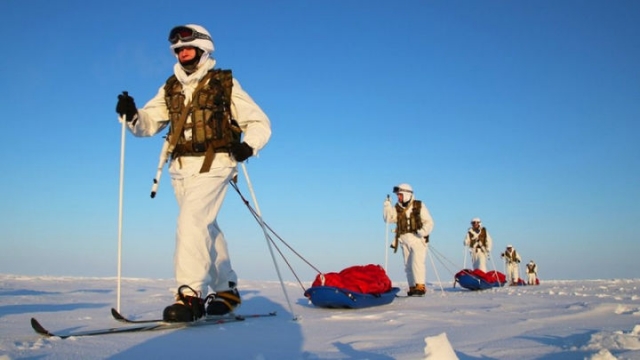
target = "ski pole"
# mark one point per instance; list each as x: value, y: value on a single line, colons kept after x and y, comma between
x: 495, y: 269
x: 435, y: 270
x: 122, y: 120
x: 386, y: 241
x: 519, y: 272
x: 464, y: 262
x: 266, y: 234
x: 164, y: 156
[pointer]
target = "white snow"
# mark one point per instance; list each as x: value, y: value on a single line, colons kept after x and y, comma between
x: 561, y: 319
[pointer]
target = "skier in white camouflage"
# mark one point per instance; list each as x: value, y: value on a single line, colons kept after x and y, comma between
x: 206, y: 111
x: 479, y: 243
x: 413, y: 226
x: 532, y: 273
x: 512, y: 259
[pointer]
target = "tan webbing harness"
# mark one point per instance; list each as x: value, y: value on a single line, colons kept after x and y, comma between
x: 212, y: 127
x: 177, y: 128
x: 405, y: 224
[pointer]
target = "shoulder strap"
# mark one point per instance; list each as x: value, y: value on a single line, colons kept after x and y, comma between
x: 226, y: 79
x: 170, y: 82
x: 482, y: 237
x: 417, y: 206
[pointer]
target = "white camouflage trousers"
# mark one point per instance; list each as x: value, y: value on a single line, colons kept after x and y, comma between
x: 201, y: 257
x: 479, y: 259
x: 512, y: 272
x: 414, y: 250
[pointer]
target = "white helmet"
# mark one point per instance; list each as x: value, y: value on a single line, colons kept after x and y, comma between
x: 405, y: 189
x: 191, y: 35
x: 476, y: 220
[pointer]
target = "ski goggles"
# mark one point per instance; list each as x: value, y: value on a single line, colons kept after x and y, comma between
x: 397, y: 189
x: 185, y: 34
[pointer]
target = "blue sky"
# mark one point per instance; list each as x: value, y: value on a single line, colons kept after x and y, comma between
x: 525, y: 114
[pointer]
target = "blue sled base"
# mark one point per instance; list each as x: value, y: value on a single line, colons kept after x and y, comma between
x: 338, y: 298
x: 471, y: 282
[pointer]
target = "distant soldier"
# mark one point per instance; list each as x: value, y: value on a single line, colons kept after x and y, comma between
x: 532, y: 273
x: 513, y: 260
x: 479, y: 243
x: 414, y: 224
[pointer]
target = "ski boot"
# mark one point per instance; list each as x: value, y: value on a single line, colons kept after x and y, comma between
x: 223, y: 302
x: 186, y: 308
x: 418, y: 290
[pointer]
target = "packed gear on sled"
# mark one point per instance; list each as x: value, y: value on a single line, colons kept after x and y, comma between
x: 479, y: 280
x: 354, y: 287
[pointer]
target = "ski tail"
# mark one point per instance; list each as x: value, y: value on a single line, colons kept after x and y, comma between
x: 121, y: 318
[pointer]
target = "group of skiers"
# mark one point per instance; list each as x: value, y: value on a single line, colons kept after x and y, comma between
x: 413, y: 227
x: 479, y: 243
x: 213, y: 125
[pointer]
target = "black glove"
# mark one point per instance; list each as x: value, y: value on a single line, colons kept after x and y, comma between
x: 126, y: 106
x: 241, y: 152
x: 426, y: 239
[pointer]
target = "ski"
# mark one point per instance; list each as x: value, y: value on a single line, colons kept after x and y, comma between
x: 142, y: 327
x: 121, y: 318
x: 115, y: 330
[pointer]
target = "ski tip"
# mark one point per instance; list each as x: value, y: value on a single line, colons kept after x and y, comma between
x: 39, y: 328
x: 116, y: 315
